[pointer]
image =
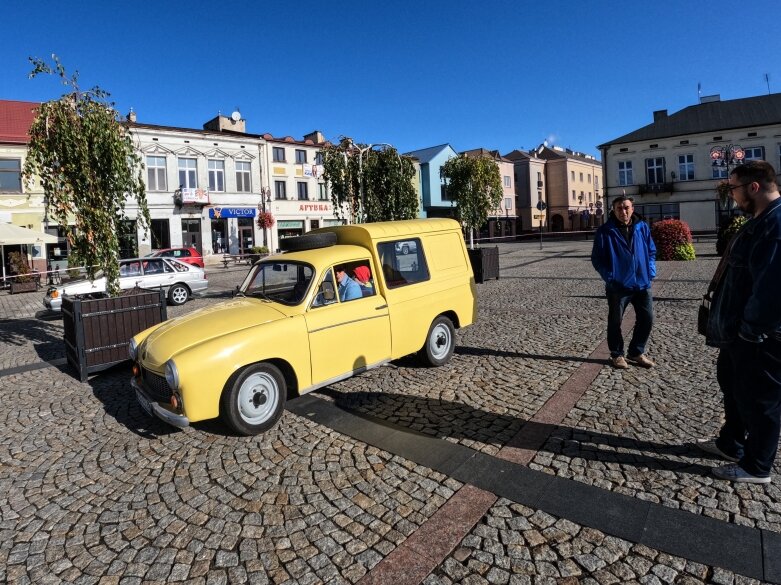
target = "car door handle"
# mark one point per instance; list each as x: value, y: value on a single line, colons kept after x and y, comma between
x: 380, y: 307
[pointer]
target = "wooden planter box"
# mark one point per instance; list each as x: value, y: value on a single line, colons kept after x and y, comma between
x: 97, y: 331
x: 20, y: 287
x: 485, y: 263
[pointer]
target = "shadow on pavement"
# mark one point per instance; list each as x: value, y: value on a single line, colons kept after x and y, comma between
x: 46, y: 337
x: 481, y: 351
x: 446, y: 419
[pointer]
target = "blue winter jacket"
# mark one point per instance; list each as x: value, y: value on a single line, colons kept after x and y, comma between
x: 623, y: 269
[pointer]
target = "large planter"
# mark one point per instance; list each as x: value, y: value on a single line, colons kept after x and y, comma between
x: 97, y: 332
x: 20, y: 287
x: 485, y: 263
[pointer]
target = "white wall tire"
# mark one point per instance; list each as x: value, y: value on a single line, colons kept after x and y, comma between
x: 253, y: 400
x: 440, y: 343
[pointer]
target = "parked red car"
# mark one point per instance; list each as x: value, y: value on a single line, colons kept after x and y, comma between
x: 188, y: 255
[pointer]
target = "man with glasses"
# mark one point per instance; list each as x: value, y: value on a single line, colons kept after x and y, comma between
x: 745, y: 324
x: 624, y: 254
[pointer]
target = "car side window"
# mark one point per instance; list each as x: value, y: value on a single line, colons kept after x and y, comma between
x: 180, y: 266
x: 403, y: 262
x: 154, y: 266
x: 130, y: 268
x: 326, y: 292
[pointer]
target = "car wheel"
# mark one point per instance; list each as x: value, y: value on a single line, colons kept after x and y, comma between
x: 440, y: 342
x: 254, y: 399
x: 405, y: 249
x: 178, y: 294
x: 307, y: 242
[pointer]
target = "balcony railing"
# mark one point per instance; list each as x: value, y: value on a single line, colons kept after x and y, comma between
x: 655, y: 188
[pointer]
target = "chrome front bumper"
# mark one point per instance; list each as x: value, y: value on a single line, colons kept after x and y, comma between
x: 153, y: 408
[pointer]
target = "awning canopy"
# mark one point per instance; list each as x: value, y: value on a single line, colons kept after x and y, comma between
x: 11, y: 234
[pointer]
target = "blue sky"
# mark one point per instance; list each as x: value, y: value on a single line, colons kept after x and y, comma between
x: 494, y: 74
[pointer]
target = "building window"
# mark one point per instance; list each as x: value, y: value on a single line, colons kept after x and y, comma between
x: 303, y: 191
x: 188, y: 173
x: 161, y: 234
x: 654, y: 170
x: 243, y: 176
x: 686, y: 167
x: 279, y: 154
x: 318, y: 158
x: 655, y: 212
x: 596, y: 182
x: 155, y: 173
x: 507, y: 181
x: 539, y: 176
x: 10, y: 175
x: 280, y: 190
x: 625, y: 173
x: 508, y: 203
x: 581, y: 177
x: 574, y: 196
x: 755, y: 153
x: 300, y: 157
x: 589, y: 177
x: 216, y: 175
x: 573, y: 176
x: 719, y: 172
x: 322, y: 195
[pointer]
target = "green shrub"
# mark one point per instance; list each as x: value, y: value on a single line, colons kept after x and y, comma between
x: 684, y: 252
x: 727, y: 231
x: 668, y: 235
x: 259, y: 250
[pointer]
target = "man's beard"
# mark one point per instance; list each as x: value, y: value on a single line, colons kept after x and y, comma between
x: 749, y: 206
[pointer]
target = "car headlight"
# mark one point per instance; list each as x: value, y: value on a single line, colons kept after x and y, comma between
x: 172, y: 375
x: 132, y: 349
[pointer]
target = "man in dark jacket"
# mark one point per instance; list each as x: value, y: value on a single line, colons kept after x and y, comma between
x: 745, y: 324
x: 624, y: 254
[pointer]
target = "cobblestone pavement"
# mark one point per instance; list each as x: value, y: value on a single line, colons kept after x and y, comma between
x: 92, y: 490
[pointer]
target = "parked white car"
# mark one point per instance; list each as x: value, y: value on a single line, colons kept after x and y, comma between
x: 179, y: 280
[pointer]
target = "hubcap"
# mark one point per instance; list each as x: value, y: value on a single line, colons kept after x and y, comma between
x: 258, y: 398
x: 440, y: 341
x: 180, y: 295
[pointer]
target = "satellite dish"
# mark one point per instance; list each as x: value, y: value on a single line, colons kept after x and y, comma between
x: 236, y: 116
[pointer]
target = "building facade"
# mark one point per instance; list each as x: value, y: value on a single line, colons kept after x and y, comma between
x: 21, y: 202
x: 433, y: 197
x: 203, y: 188
x: 294, y: 190
x: 672, y: 167
x: 574, y: 189
x: 502, y: 221
x: 530, y: 190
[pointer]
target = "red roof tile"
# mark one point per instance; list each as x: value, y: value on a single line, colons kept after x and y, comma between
x: 15, y: 121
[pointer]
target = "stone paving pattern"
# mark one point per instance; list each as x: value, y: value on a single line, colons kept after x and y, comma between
x: 516, y: 545
x: 92, y: 490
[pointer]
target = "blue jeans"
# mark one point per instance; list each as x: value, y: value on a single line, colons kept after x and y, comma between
x: 749, y: 375
x: 617, y: 301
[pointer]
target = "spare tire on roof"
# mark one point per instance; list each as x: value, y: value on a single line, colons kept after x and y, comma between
x: 307, y: 242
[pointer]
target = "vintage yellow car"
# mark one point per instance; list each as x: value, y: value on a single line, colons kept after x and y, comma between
x: 337, y: 302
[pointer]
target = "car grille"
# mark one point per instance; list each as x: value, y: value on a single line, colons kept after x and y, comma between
x: 157, y: 386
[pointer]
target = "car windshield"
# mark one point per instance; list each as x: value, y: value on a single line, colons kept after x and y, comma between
x: 283, y: 282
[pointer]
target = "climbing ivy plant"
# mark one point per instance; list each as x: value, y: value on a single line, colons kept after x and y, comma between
x: 475, y: 184
x: 370, y: 184
x: 88, y: 168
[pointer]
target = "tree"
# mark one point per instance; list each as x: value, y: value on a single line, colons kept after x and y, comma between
x: 88, y: 168
x: 474, y: 183
x: 370, y: 185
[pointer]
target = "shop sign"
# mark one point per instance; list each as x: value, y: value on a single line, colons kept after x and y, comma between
x: 314, y: 207
x: 290, y: 225
x: 191, y: 196
x: 226, y: 212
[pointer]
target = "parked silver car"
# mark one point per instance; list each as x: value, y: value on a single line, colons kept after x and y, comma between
x: 179, y: 280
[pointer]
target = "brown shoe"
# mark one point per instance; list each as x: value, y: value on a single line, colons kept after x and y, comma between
x: 619, y: 362
x: 640, y: 360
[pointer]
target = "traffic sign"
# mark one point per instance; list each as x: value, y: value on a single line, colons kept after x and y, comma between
x: 541, y: 205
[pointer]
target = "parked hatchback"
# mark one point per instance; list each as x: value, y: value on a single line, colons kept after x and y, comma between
x: 189, y: 255
x: 179, y: 280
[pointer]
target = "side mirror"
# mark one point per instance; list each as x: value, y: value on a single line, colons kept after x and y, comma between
x: 329, y: 294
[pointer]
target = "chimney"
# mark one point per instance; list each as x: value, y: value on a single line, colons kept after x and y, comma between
x: 131, y: 117
x: 315, y: 136
x: 235, y: 123
x: 660, y: 115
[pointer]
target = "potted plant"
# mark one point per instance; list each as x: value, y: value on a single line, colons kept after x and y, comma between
x: 89, y: 170
x: 258, y: 252
x: 24, y: 280
x: 474, y: 183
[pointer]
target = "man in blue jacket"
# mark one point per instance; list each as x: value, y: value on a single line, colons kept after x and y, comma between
x: 624, y: 254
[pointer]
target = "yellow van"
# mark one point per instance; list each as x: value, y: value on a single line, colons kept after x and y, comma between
x: 337, y: 302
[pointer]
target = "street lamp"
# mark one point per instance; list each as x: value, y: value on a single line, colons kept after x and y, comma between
x: 724, y: 159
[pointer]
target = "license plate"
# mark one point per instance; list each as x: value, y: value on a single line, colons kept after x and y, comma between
x: 145, y: 404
